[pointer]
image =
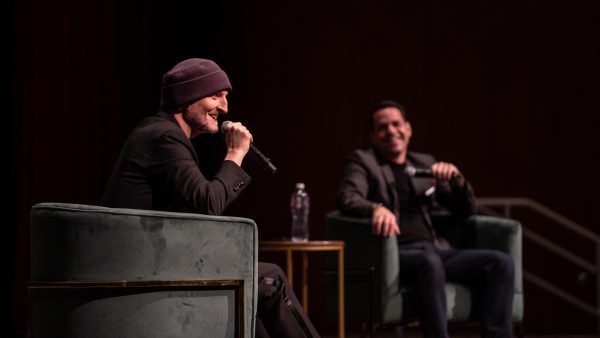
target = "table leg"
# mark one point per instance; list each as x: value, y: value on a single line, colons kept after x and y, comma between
x: 289, y: 267
x: 341, y: 295
x: 305, y: 281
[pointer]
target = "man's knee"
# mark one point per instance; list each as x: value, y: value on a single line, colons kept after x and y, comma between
x: 432, y: 267
x: 503, y: 265
x: 270, y: 280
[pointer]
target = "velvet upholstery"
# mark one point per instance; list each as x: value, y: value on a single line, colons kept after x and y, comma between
x: 83, y: 243
x: 395, y: 304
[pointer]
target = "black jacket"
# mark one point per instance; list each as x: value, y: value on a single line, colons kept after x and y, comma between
x: 158, y: 170
x: 369, y: 179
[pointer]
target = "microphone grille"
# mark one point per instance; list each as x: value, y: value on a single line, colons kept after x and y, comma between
x: 410, y: 171
x: 225, y: 126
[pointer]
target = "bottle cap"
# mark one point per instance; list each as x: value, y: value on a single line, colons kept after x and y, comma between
x: 300, y: 186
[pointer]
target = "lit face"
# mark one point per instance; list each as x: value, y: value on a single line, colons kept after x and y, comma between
x: 202, y: 115
x: 391, y: 133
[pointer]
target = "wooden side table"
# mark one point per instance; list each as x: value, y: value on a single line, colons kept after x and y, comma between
x: 304, y: 247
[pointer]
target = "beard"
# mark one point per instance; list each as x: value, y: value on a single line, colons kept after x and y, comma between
x: 200, y: 122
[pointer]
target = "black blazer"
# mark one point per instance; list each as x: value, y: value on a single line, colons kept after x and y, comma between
x: 158, y: 170
x: 368, y: 179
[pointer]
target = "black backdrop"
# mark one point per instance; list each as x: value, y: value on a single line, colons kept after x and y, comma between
x: 508, y: 91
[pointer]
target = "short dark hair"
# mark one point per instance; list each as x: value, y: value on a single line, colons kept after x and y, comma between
x: 385, y: 104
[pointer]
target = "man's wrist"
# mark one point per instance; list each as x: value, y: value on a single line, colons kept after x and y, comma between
x: 236, y: 156
x: 459, y: 181
x: 376, y: 206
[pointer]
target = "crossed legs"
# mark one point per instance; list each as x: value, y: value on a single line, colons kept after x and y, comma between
x: 488, y: 273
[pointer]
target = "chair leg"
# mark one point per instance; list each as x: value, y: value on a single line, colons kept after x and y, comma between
x: 363, y: 330
x: 369, y: 330
x: 520, y: 332
x: 372, y: 328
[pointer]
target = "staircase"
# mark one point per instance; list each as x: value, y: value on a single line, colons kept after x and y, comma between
x: 507, y: 207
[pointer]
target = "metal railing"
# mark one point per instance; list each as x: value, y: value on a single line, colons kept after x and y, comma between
x: 507, y: 204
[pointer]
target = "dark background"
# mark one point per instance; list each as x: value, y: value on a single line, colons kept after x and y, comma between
x: 508, y: 91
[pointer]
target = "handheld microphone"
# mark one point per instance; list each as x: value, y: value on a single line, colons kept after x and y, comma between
x: 421, y: 172
x: 254, y: 153
x: 418, y: 172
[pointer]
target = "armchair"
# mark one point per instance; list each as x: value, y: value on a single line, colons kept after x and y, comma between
x: 394, y: 304
x: 107, y: 272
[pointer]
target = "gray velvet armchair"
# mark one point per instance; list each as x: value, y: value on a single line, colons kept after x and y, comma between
x: 393, y: 304
x: 104, y: 272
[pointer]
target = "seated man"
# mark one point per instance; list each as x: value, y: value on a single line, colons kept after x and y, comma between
x: 380, y: 183
x: 158, y: 170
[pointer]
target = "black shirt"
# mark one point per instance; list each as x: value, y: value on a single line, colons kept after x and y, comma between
x: 411, y: 223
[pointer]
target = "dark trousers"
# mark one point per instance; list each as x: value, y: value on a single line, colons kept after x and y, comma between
x: 279, y: 312
x: 489, y: 274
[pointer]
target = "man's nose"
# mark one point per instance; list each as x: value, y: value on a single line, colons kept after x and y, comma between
x: 222, y: 106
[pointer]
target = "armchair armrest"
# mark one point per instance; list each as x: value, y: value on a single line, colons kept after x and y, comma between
x: 501, y: 234
x: 487, y: 232
x: 478, y: 231
x: 361, y: 246
x: 365, y: 250
x: 72, y: 243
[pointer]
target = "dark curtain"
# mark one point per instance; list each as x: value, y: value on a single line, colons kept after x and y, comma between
x: 507, y: 91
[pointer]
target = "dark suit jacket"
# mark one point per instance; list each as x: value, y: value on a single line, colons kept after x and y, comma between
x: 368, y: 179
x: 158, y: 170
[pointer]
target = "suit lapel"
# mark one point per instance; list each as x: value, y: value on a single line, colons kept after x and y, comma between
x: 387, y: 181
x: 390, y: 182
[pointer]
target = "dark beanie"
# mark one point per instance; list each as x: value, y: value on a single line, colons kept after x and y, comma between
x: 191, y: 80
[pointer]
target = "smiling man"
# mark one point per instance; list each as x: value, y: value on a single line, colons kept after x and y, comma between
x: 158, y: 170
x: 380, y: 183
x: 158, y: 166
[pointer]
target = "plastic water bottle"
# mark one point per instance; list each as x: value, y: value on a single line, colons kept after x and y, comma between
x: 299, y: 207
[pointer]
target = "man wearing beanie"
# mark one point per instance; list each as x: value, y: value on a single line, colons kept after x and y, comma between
x: 158, y: 170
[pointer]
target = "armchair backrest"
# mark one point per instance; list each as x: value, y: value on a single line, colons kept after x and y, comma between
x: 83, y: 243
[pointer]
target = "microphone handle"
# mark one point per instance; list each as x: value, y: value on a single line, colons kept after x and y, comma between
x: 261, y: 159
x: 423, y: 172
